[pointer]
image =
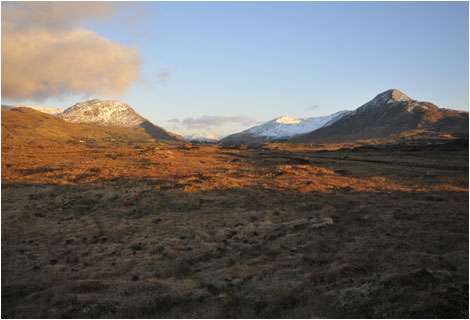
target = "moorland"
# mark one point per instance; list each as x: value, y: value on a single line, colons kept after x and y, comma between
x: 142, y: 229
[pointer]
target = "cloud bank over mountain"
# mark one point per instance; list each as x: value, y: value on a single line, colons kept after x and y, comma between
x: 45, y: 52
x: 207, y: 122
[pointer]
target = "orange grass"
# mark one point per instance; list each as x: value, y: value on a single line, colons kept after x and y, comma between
x: 194, y: 169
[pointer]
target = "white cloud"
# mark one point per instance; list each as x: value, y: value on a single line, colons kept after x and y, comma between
x: 205, y: 122
x: 45, y: 53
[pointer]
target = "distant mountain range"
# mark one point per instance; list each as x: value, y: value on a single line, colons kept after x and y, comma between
x: 53, y: 111
x: 392, y: 114
x: 389, y: 114
x: 107, y: 113
x: 283, y: 128
x: 203, y: 137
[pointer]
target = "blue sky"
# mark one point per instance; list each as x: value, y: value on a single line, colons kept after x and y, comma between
x: 241, y: 63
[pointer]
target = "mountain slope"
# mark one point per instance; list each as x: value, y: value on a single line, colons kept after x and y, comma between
x: 115, y: 114
x: 204, y: 137
x: 22, y: 126
x: 282, y: 128
x: 103, y: 113
x: 390, y: 113
x: 48, y: 110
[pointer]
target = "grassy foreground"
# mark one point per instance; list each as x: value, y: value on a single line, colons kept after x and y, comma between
x: 277, y: 230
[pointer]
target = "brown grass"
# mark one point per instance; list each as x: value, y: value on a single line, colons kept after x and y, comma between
x: 277, y: 230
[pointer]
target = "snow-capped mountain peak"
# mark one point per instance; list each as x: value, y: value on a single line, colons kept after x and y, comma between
x: 284, y: 127
x: 204, y: 137
x: 397, y: 95
x: 103, y: 113
x: 385, y: 98
x: 389, y: 115
x: 49, y: 110
x: 390, y: 96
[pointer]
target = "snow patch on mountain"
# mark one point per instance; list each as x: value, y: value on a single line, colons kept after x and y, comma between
x: 384, y: 98
x: 285, y: 126
x: 49, y: 110
x: 204, y: 137
x: 103, y: 113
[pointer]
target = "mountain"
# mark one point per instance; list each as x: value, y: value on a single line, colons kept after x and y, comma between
x: 48, y: 110
x: 111, y: 113
x: 103, y: 113
x: 21, y: 126
x: 391, y: 113
x: 53, y: 111
x: 283, y: 127
x: 204, y: 137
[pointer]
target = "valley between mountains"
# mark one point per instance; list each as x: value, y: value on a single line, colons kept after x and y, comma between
x: 107, y: 215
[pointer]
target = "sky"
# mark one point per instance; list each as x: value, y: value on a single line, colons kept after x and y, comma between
x: 222, y: 67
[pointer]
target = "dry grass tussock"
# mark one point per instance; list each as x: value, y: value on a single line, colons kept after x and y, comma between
x: 277, y: 230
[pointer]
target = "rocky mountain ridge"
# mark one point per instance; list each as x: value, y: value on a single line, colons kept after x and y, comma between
x: 391, y: 114
x: 103, y: 113
x: 113, y: 113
